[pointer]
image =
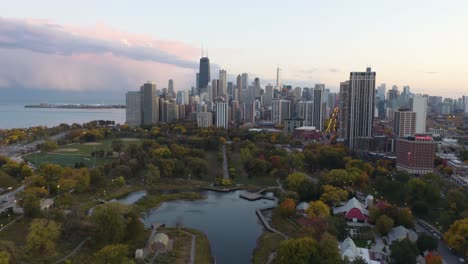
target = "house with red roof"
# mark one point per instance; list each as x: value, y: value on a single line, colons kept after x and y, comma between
x: 353, y: 210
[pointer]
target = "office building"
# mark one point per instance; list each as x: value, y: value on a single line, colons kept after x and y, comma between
x: 404, y: 123
x: 319, y: 106
x: 222, y: 85
x: 170, y: 88
x: 415, y: 154
x: 268, y: 96
x: 133, y: 108
x: 238, y: 96
x: 419, y: 106
x: 245, y: 81
x: 149, y: 102
x: 204, y: 74
x: 344, y: 110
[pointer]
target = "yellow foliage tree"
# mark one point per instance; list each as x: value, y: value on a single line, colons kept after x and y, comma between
x: 318, y: 209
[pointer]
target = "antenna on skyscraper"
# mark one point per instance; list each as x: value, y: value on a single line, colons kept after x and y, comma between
x: 202, y: 49
x: 207, y: 51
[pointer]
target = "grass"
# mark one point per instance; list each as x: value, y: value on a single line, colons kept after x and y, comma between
x: 283, y: 225
x: 203, y: 249
x: 154, y: 200
x: 181, y: 247
x: 82, y: 154
x: 16, y: 232
x: 266, y: 243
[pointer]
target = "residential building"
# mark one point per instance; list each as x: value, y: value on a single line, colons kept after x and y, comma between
x: 415, y: 154
x: 419, y: 105
x: 222, y: 115
x: 404, y: 123
x: 149, y: 104
x: 133, y: 108
x: 204, y: 119
x: 281, y: 110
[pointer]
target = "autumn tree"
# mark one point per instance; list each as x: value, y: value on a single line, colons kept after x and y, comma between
x: 115, y: 253
x: 287, y: 207
x: 384, y: 224
x: 333, y: 195
x: 433, y: 259
x: 318, y: 209
x: 294, y: 180
x: 117, y: 145
x: 42, y: 237
x: 298, y: 251
x: 153, y: 174
x: 457, y: 236
x: 4, y: 257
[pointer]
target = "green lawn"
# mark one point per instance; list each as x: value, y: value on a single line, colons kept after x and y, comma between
x: 203, y: 249
x: 69, y: 155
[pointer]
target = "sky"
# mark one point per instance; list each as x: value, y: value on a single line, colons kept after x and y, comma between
x: 117, y: 45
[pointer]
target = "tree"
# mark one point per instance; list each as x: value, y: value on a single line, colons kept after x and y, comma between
x: 119, y: 181
x: 48, y: 146
x: 288, y: 207
x: 433, y: 259
x: 403, y: 252
x: 4, y: 257
x: 153, y: 174
x: 117, y: 145
x: 297, y: 251
x: 82, y: 178
x: 108, y: 223
x: 116, y: 253
x: 426, y: 242
x: 31, y: 205
x: 384, y: 224
x: 294, y: 180
x: 318, y: 209
x: 135, y: 228
x: 333, y: 195
x: 405, y: 218
x: 457, y: 236
x: 8, y: 247
x: 42, y: 237
x: 359, y: 260
x: 328, y: 250
x: 308, y: 191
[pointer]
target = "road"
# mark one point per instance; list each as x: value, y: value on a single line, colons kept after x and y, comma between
x: 442, y: 248
x: 15, y: 151
x: 8, y: 200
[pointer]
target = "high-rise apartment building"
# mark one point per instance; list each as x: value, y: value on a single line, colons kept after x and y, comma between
x: 281, y: 110
x: 222, y: 115
x: 419, y: 105
x: 149, y: 104
x: 245, y: 81
x: 319, y: 106
x: 404, y: 123
x: 133, y: 108
x: 344, y: 109
x: 268, y: 96
x: 238, y: 97
x: 204, y: 119
x: 360, y: 106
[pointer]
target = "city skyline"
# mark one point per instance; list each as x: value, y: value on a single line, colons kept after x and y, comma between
x: 59, y: 49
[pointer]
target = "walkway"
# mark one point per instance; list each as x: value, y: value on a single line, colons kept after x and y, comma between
x: 266, y: 224
x: 193, y: 248
x: 74, y: 251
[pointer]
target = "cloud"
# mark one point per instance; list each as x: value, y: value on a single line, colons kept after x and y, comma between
x: 42, y: 54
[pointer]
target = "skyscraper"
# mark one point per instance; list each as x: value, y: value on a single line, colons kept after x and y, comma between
x: 279, y: 83
x: 204, y: 73
x: 238, y: 97
x: 281, y: 110
x: 256, y: 87
x: 222, y: 84
x: 245, y: 81
x: 319, y: 106
x: 133, y: 108
x: 268, y: 97
x: 215, y: 89
x: 404, y: 123
x: 170, y: 88
x: 149, y: 103
x: 361, y: 107
x: 344, y: 110
x: 419, y: 105
x: 222, y: 115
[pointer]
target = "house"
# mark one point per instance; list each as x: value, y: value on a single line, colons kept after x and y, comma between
x: 160, y: 243
x: 349, y: 251
x: 399, y: 233
x: 301, y: 208
x: 46, y: 204
x: 353, y: 210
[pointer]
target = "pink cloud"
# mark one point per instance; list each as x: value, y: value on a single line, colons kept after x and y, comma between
x: 41, y: 54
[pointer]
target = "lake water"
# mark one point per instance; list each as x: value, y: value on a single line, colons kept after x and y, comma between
x: 229, y: 222
x: 14, y: 115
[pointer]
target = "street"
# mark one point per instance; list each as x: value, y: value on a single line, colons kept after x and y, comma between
x: 443, y: 249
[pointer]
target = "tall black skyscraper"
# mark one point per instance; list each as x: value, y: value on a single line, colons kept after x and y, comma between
x: 204, y: 73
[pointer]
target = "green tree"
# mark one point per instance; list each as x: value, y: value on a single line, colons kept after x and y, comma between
x: 328, y: 250
x: 82, y: 178
x: 108, y: 223
x: 117, y: 145
x: 426, y: 242
x: 318, y: 209
x: 295, y: 180
x: 153, y: 174
x: 42, y: 237
x: 298, y: 251
x: 31, y: 205
x: 115, y: 254
x: 384, y: 224
x: 457, y: 236
x: 135, y: 229
x: 119, y: 181
x: 403, y: 252
x: 48, y: 146
x: 4, y: 257
x: 359, y: 260
x: 405, y: 218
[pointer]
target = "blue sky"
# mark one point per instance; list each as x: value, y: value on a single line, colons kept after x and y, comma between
x: 419, y: 43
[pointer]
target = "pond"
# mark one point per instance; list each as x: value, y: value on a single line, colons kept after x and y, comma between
x: 229, y: 222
